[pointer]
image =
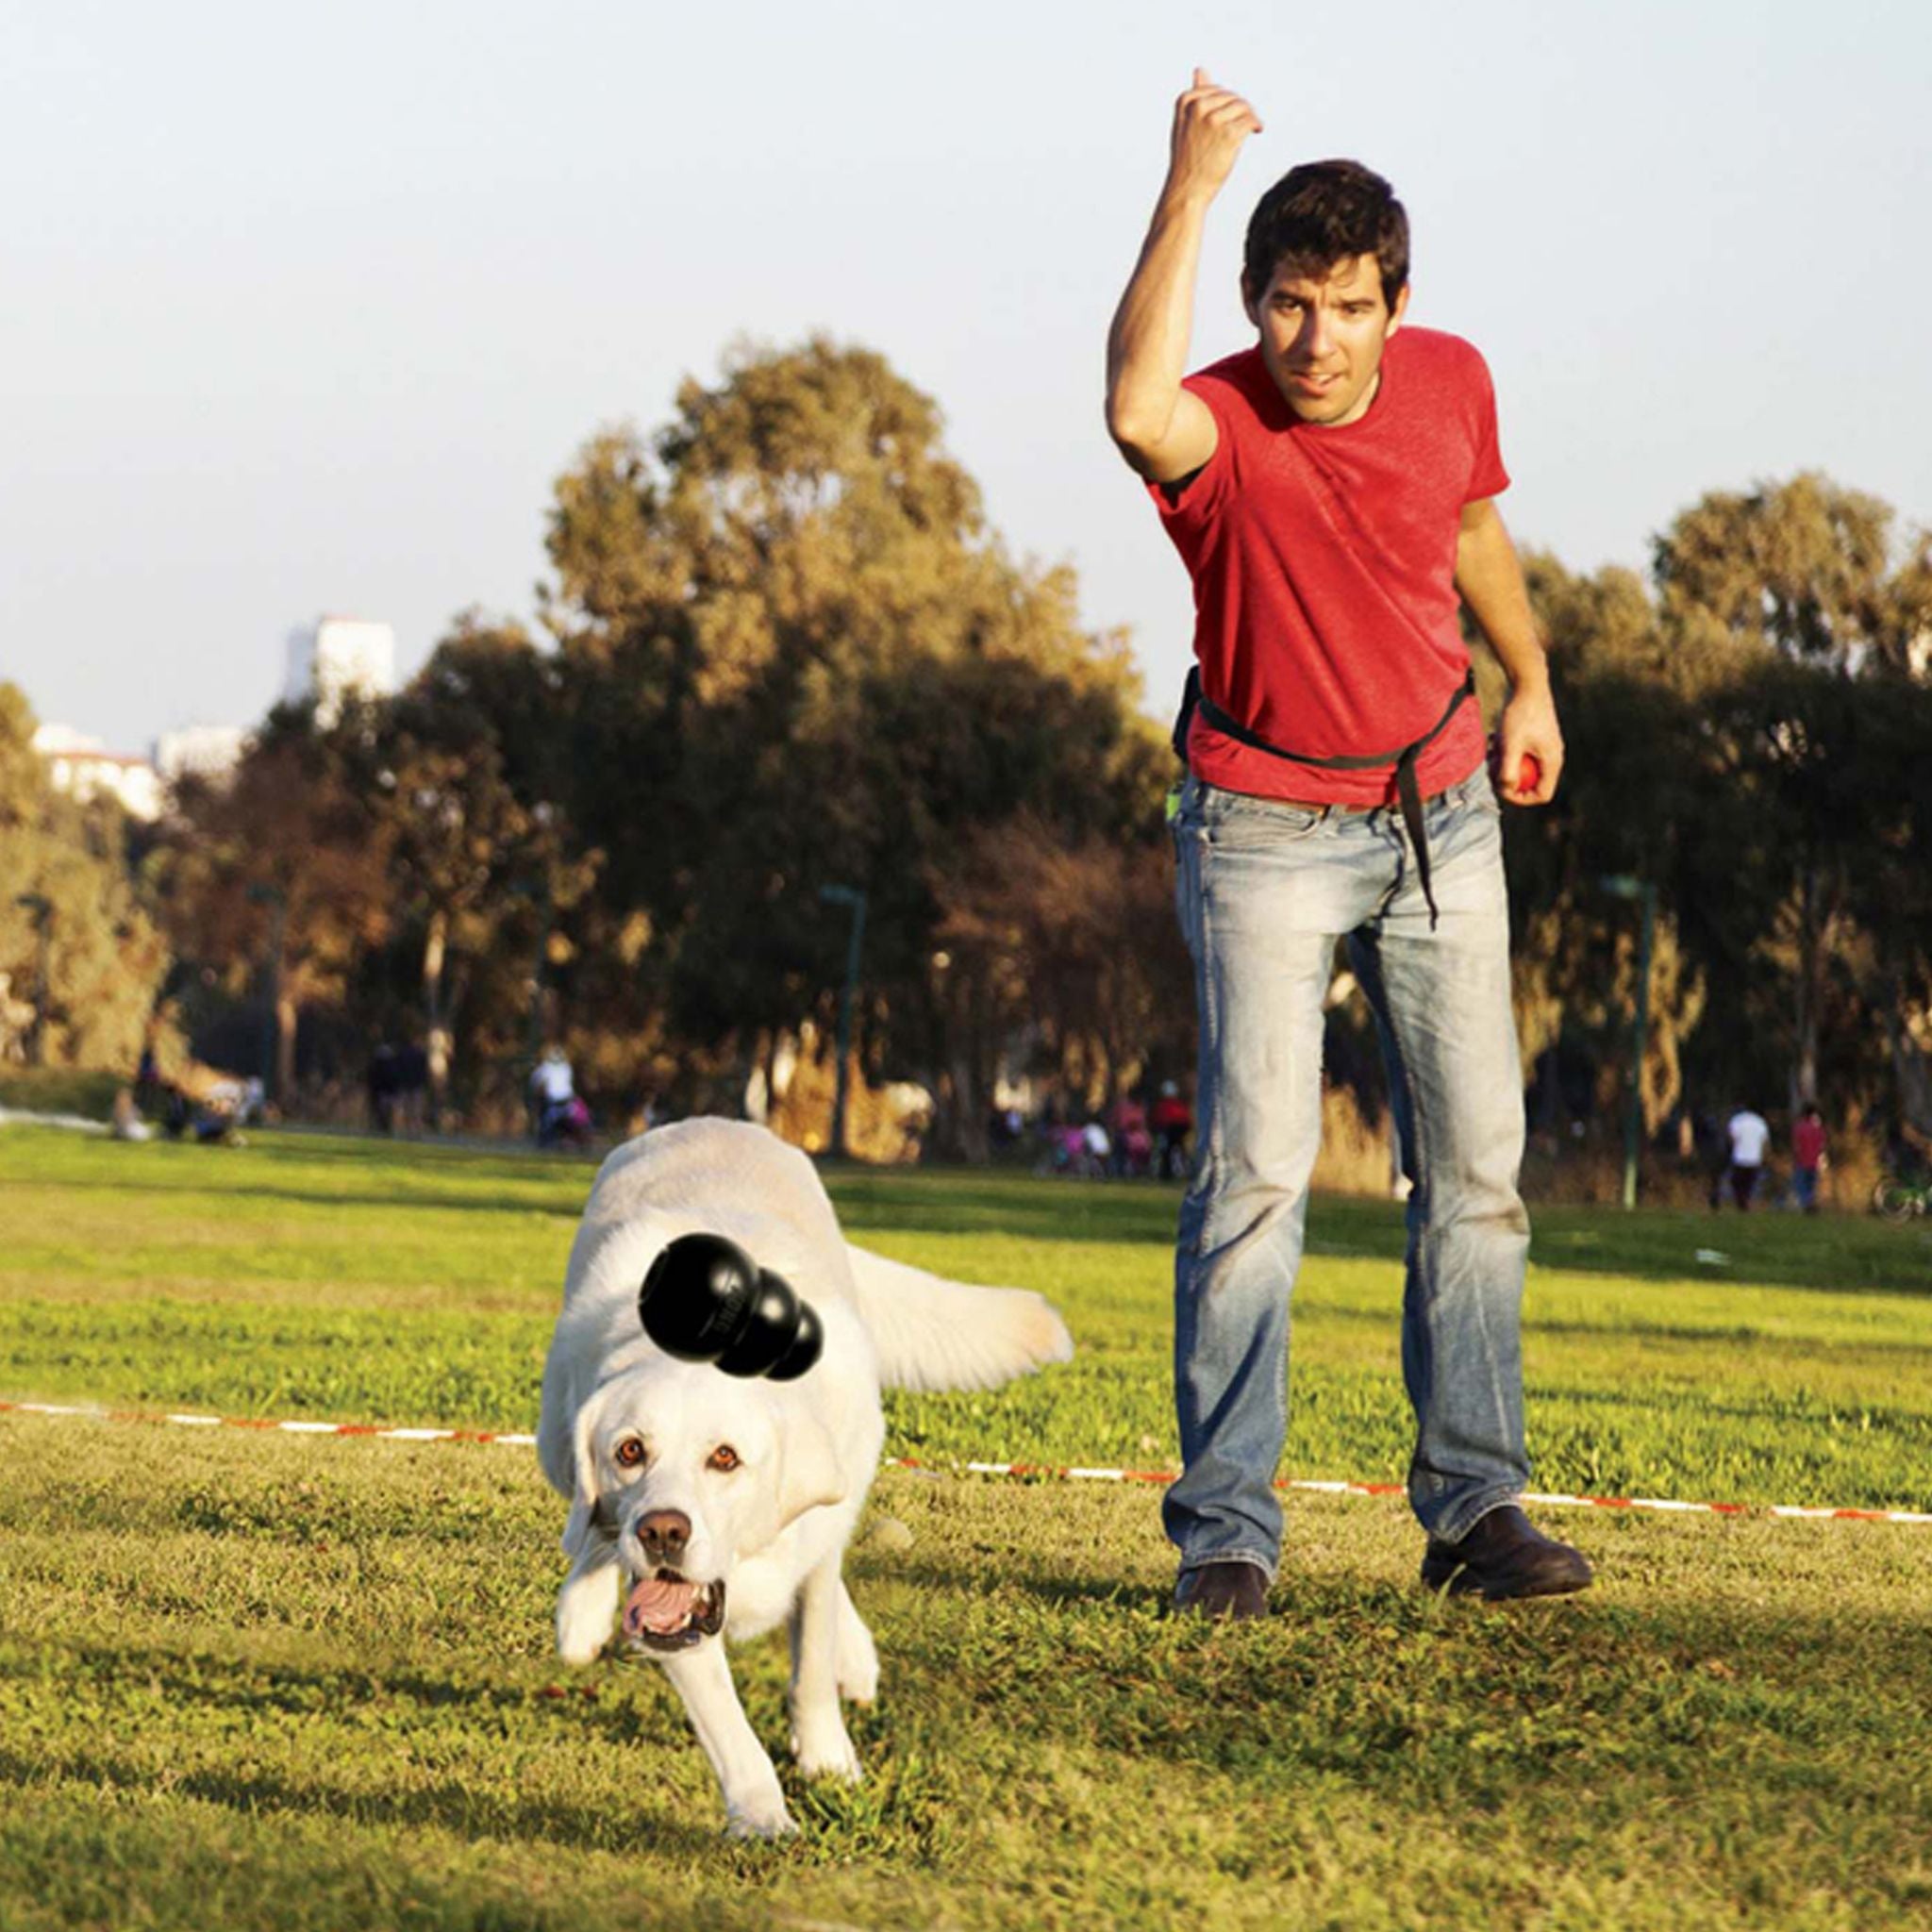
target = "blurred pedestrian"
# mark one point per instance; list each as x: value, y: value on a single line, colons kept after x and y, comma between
x: 1173, y: 1121
x: 1749, y: 1134
x: 1713, y: 1155
x: 411, y: 1086
x: 381, y: 1082
x: 1808, y: 1156
x: 124, y: 1122
x: 553, y: 1090
x: 1133, y: 1147
x: 150, y: 1089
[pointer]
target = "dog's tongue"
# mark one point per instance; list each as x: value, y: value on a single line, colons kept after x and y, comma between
x: 658, y: 1605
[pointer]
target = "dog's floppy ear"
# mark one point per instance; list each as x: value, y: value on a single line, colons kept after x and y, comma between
x: 582, y: 1523
x: 811, y: 1475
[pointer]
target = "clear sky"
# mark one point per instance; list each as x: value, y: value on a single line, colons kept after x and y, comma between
x: 303, y: 308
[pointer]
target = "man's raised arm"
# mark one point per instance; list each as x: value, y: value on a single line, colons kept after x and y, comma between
x: 1163, y: 431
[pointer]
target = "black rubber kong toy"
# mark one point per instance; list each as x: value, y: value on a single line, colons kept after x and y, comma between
x: 705, y: 1300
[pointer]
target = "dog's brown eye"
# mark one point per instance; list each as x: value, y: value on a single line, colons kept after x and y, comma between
x: 722, y: 1457
x: 629, y: 1453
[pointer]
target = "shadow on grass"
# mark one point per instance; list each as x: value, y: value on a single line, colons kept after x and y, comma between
x: 446, y: 1805
x: 1797, y: 1407
x: 614, y: 1717
x: 320, y: 1198
x: 968, y: 1202
x: 1058, y: 1590
x: 212, y: 1681
x: 1831, y: 1253
x: 530, y: 1167
x: 1409, y: 1695
x: 1615, y: 1702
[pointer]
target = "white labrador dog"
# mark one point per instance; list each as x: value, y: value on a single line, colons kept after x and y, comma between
x: 712, y: 1505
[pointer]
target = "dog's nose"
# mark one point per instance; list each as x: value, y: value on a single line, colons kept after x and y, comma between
x: 663, y: 1534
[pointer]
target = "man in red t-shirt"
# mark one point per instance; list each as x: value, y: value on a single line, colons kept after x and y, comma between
x: 1331, y: 492
x: 1807, y: 1156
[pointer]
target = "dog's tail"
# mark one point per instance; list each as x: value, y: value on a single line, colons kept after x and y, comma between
x: 936, y: 1334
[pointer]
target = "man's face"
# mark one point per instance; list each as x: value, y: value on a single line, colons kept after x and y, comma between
x: 1322, y: 337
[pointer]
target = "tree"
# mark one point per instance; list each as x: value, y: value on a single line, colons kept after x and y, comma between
x: 1073, y: 946
x: 468, y: 764
x: 280, y: 871
x: 1798, y: 568
x: 795, y: 658
x: 1807, y: 641
x: 1746, y: 745
x: 1807, y: 870
x: 1630, y: 783
x: 81, y: 960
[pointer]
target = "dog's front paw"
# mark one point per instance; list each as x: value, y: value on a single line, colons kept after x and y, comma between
x: 581, y: 1647
x: 764, y: 1816
x: 859, y: 1661
x: 586, y: 1608
x: 824, y: 1750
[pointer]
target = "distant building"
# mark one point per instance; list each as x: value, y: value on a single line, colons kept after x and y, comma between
x: 199, y: 751
x: 336, y: 657
x: 83, y: 769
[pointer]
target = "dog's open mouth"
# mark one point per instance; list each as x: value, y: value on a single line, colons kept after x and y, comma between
x: 668, y: 1611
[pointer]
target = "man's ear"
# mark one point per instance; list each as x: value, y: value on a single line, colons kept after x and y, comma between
x: 1250, y: 302
x: 581, y: 1524
x: 1396, y: 313
x: 811, y: 1477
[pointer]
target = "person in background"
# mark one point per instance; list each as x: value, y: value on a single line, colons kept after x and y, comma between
x: 1749, y: 1134
x: 1808, y: 1156
x: 552, y: 1090
x: 150, y: 1089
x: 1133, y: 1147
x: 1173, y: 1121
x: 382, y: 1089
x: 124, y: 1122
x: 1713, y: 1157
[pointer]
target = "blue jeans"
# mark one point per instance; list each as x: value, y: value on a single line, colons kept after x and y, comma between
x: 1265, y: 889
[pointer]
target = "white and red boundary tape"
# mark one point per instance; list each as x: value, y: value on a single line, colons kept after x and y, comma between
x: 181, y: 1418
x: 1030, y: 1470
x: 1317, y: 1486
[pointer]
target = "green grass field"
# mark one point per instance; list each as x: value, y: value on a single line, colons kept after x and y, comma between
x: 268, y: 1681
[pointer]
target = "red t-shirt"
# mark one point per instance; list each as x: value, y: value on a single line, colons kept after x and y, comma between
x: 1324, y: 560
x: 1808, y: 1143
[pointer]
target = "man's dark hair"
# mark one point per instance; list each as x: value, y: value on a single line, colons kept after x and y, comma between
x: 1323, y: 212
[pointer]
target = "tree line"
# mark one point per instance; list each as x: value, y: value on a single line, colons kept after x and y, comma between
x: 784, y: 661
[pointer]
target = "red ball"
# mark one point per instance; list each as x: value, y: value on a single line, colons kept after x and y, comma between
x: 1530, y: 770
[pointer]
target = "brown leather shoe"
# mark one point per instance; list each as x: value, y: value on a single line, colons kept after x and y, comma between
x: 1234, y: 1591
x: 1504, y: 1557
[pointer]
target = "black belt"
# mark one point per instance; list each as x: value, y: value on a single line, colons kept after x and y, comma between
x: 1406, y: 791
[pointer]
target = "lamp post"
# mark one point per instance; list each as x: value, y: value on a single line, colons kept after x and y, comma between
x: 1624, y: 886
x: 853, y: 896
x: 42, y: 908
